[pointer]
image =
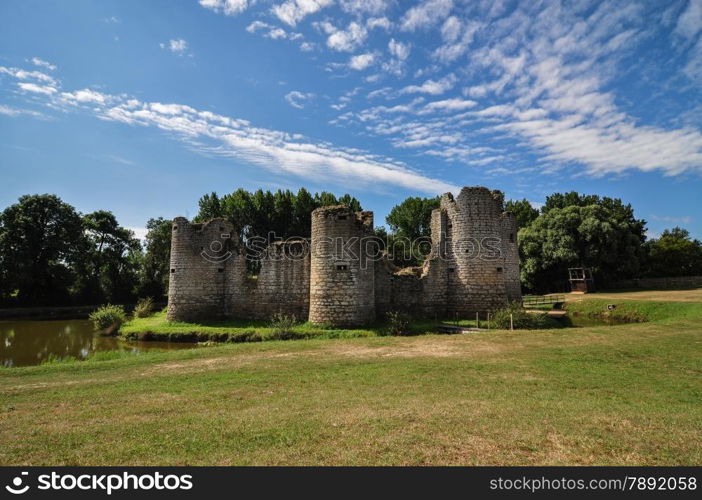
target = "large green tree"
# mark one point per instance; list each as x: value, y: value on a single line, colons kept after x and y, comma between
x: 410, y: 223
x: 620, y: 212
x: 412, y: 218
x: 156, y: 259
x: 110, y: 260
x: 209, y: 207
x: 674, y: 253
x: 40, y: 240
x: 570, y: 199
x: 523, y: 211
x: 605, y: 237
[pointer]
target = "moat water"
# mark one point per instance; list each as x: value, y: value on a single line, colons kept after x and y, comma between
x: 26, y: 343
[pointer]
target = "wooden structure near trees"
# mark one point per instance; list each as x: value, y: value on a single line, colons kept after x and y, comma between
x: 581, y: 280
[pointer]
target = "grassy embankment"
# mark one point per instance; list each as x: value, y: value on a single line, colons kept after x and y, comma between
x: 157, y: 327
x: 625, y: 394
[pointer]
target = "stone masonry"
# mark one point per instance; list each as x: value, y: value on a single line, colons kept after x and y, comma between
x: 341, y: 276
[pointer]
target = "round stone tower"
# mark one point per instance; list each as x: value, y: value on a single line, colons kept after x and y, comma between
x: 342, y: 284
x: 204, y: 265
x: 482, y: 256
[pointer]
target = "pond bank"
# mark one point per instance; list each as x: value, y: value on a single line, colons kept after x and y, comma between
x: 30, y: 342
x: 59, y: 312
x: 47, y: 313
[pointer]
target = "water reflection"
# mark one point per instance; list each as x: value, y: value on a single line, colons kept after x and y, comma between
x: 24, y: 343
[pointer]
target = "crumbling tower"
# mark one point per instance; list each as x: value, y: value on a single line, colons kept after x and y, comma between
x: 205, y: 267
x: 342, y: 287
x: 482, y: 255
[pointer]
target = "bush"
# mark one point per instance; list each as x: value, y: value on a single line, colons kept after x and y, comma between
x: 282, y: 325
x: 108, y: 318
x: 398, y: 323
x: 144, y: 308
x: 521, y: 319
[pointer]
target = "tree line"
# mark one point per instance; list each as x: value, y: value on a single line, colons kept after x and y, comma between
x: 50, y: 254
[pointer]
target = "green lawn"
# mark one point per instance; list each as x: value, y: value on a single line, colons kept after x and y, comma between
x: 628, y: 394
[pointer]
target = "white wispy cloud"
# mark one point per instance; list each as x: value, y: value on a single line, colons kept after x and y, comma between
x: 454, y: 104
x: 457, y: 38
x: 272, y: 32
x: 378, y: 22
x: 12, y: 112
x: 43, y: 64
x: 361, y: 61
x: 83, y: 96
x: 689, y: 23
x: 344, y: 40
x: 292, y: 12
x: 22, y: 74
x: 433, y: 87
x: 359, y: 7
x: 397, y: 63
x: 37, y: 89
x: 228, y: 7
x: 451, y: 29
x: 280, y: 152
x: 298, y: 99
x: 428, y: 13
x: 346, y: 98
x: 178, y: 46
x: 398, y: 49
x: 693, y: 67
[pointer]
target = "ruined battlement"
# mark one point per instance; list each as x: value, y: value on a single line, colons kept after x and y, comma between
x: 340, y: 277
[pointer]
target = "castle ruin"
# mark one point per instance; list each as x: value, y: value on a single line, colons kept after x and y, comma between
x: 341, y: 276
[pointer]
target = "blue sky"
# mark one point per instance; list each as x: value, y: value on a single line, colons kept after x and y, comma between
x: 140, y: 107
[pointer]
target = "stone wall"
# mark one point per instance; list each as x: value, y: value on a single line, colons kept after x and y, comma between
x: 209, y: 280
x: 282, y: 285
x: 398, y: 289
x: 336, y: 277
